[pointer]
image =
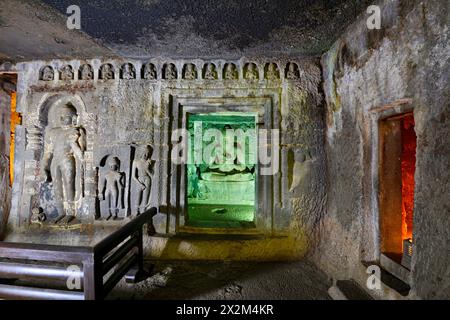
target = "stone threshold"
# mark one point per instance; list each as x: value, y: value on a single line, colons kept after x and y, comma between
x: 190, y: 231
x: 395, y: 268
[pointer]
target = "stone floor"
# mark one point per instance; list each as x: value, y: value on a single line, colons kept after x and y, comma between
x: 228, y: 280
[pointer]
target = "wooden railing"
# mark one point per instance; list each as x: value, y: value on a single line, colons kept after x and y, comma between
x: 118, y: 255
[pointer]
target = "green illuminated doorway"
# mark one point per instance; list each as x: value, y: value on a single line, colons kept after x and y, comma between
x: 221, y: 170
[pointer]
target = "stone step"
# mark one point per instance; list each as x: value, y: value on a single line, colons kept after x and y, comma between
x: 348, y: 290
x: 391, y: 282
x: 393, y: 266
x: 394, y: 283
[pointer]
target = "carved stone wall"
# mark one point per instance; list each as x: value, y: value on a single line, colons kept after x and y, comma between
x: 371, y: 74
x: 123, y: 107
x: 5, y: 187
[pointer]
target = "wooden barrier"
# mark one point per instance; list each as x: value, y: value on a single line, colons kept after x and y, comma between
x: 118, y: 255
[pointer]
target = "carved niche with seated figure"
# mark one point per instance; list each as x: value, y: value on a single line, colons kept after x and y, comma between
x: 292, y: 72
x: 64, y: 147
x: 190, y: 73
x: 149, y: 72
x: 86, y: 72
x: 210, y: 72
x: 66, y: 73
x: 230, y: 72
x: 127, y: 72
x: 47, y: 73
x: 170, y: 72
x: 272, y: 71
x: 106, y: 72
x: 251, y: 72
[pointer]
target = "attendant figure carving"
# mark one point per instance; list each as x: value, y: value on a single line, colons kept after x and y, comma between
x: 112, y: 187
x: 301, y: 170
x: 142, y: 173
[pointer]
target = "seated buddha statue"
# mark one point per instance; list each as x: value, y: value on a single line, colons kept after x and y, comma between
x: 228, y: 168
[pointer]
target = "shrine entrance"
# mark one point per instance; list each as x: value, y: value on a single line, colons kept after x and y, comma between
x: 221, y: 170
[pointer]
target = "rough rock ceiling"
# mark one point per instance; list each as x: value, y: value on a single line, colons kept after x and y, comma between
x: 30, y: 30
x: 203, y: 28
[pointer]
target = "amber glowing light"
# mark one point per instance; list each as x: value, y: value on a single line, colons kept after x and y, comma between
x: 408, y: 163
x: 15, y: 120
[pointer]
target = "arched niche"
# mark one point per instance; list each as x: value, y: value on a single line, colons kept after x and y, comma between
x: 48, y: 120
x: 48, y: 109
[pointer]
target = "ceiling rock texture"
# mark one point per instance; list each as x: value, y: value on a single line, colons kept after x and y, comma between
x: 31, y: 30
x: 175, y: 28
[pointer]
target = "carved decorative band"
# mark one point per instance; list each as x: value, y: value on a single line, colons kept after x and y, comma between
x: 169, y: 71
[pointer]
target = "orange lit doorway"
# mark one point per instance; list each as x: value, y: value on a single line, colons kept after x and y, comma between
x: 15, y: 119
x: 11, y: 119
x: 397, y: 168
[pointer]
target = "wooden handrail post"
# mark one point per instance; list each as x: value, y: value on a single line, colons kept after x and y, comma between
x: 140, y: 249
x: 93, y: 279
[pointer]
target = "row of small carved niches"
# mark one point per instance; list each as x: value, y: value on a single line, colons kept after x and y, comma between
x: 174, y: 71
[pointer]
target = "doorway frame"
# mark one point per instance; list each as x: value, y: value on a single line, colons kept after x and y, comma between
x: 371, y: 241
x: 268, y: 118
x: 257, y: 120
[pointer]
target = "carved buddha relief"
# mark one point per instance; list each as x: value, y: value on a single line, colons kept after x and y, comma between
x: 106, y: 72
x: 230, y: 72
x: 149, y: 72
x: 64, y: 147
x: 210, y: 72
x: 47, y: 74
x: 127, y: 72
x: 272, y: 72
x: 292, y: 72
x: 170, y: 72
x: 251, y: 72
x: 66, y: 73
x: 190, y: 72
x: 86, y: 72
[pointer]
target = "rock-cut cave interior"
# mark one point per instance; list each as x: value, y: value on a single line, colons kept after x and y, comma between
x: 225, y: 150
